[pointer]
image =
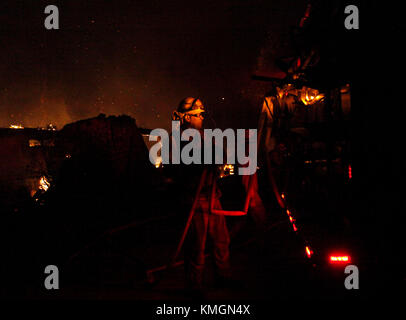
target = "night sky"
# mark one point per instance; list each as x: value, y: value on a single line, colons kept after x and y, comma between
x: 138, y: 58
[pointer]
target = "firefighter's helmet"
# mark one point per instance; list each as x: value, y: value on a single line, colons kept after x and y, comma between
x: 189, y: 106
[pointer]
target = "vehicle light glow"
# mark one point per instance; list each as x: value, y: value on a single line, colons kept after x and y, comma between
x: 309, y: 252
x: 339, y: 258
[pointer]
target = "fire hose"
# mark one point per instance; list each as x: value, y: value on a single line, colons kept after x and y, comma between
x: 282, y: 203
x: 274, y: 186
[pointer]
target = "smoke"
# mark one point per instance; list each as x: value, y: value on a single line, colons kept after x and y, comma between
x: 128, y: 59
x: 24, y: 104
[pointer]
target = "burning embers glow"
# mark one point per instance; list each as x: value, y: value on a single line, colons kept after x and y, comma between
x: 44, y: 183
x: 158, y: 162
x: 309, y: 251
x: 34, y: 143
x: 50, y: 127
x: 16, y: 126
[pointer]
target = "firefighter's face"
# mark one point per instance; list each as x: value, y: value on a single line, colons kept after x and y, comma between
x: 195, y: 121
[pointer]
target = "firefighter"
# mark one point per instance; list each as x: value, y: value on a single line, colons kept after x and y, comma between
x: 204, y: 226
x: 282, y: 131
x: 284, y: 115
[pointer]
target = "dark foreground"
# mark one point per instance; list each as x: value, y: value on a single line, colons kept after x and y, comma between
x: 114, y: 269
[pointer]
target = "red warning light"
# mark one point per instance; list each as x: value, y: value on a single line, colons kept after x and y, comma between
x: 334, y: 259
